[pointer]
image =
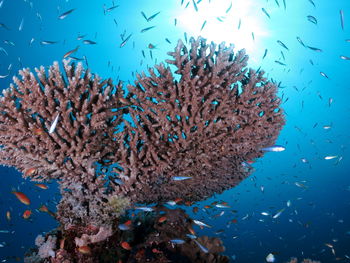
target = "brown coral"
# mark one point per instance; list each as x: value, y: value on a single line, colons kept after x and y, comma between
x: 204, y: 125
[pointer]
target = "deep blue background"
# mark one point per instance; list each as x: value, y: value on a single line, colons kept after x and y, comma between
x: 318, y: 214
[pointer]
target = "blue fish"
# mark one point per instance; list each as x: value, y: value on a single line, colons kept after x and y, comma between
x: 177, y: 241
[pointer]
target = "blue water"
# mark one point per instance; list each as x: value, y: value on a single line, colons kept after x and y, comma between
x: 318, y: 213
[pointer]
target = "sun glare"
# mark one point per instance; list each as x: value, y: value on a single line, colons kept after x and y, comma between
x: 232, y: 21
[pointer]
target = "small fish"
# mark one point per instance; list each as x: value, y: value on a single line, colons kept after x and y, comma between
x: 278, y: 213
x: 300, y: 41
x: 144, y: 15
x: 4, y: 76
x: 345, y: 57
x: 200, y: 223
x: 324, y: 75
x: 54, y: 123
x: 312, y: 2
x: 265, y: 12
x: 314, y: 49
x: 125, y: 245
x: 80, y: 37
x: 21, y: 197
x: 203, y: 248
x: 289, y: 203
x: 26, y: 214
x: 282, y: 44
x: 42, y: 186
x: 191, y: 236
x: 65, y: 14
x: 177, y: 241
x: 274, y: 148
x: 270, y: 258
x: 124, y: 227
x: 153, y: 16
x: 1, y: 3
x: 43, y: 208
x: 312, y: 19
x: 229, y: 8
x: 181, y: 178
x: 341, y: 13
x: 89, y: 42
x: 85, y: 250
x: 195, y: 6
x: 30, y: 171
x: 284, y: 4
x: 70, y: 52
x: 5, y: 231
x: 111, y: 8
x: 4, y: 51
x: 300, y: 185
x: 47, y: 42
x: 203, y: 25
x: 8, y: 215
x: 280, y: 63
x: 125, y: 41
x: 222, y: 206
x: 4, y: 26
x: 265, y: 53
x: 144, y: 208
x: 147, y: 28
x: 172, y: 203
x: 21, y: 25
x: 239, y: 24
x: 265, y: 213
x: 162, y: 219
x: 31, y: 41
x: 330, y: 157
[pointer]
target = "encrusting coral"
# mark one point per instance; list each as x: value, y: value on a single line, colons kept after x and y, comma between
x: 191, y: 135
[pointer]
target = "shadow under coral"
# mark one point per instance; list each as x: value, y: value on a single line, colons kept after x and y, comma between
x: 162, y: 235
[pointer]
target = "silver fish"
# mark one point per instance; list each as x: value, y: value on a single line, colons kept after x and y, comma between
x: 274, y: 148
x: 65, y: 14
x: 278, y: 213
x: 177, y: 241
x: 47, y: 42
x: 203, y: 248
x: 21, y: 25
x: 345, y: 57
x: 341, y: 19
x: 323, y: 74
x: 54, y: 124
x: 181, y: 178
x: 144, y: 208
x: 89, y: 42
x: 200, y: 223
x: 125, y: 41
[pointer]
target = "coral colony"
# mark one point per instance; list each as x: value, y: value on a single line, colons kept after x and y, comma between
x: 168, y: 139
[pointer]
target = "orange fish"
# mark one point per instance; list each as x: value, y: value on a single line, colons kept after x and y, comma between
x: 38, y: 131
x: 43, y: 208
x: 126, y: 245
x: 27, y: 214
x: 195, y: 209
x: 192, y: 231
x: 30, y: 172
x: 21, y: 197
x: 86, y: 250
x: 188, y: 203
x: 177, y: 200
x: 42, y: 186
x: 127, y: 223
x: 234, y: 221
x: 162, y: 219
x: 8, y: 215
x: 207, y: 206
